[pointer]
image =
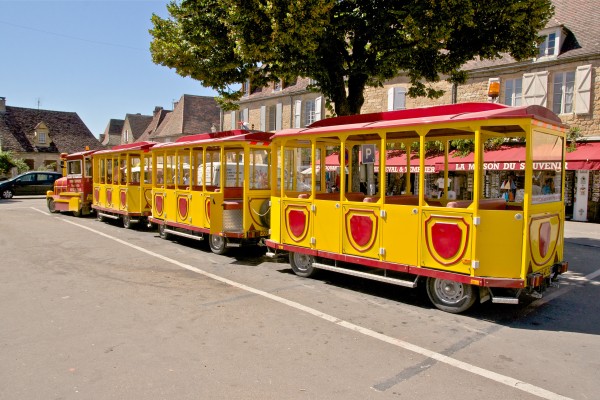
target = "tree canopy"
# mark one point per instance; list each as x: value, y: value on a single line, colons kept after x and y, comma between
x: 344, y: 45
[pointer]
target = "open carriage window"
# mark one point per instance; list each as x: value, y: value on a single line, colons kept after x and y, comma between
x: 259, y: 169
x: 296, y: 166
x: 134, y: 169
x: 74, y: 167
x: 548, y: 158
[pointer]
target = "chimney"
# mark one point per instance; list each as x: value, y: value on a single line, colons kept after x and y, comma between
x: 157, y: 110
x: 2, y: 104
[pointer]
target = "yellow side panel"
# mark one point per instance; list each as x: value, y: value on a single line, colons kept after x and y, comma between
x: 296, y: 227
x: 360, y: 230
x: 183, y: 207
x: 133, y: 204
x: 216, y: 212
x: 275, y: 219
x: 197, y: 210
x: 499, y: 244
x: 446, y: 241
x: 399, y: 234
x: 327, y: 225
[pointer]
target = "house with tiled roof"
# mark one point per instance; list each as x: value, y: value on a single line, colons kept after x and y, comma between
x: 39, y: 136
x: 134, y: 126
x: 158, y: 117
x: 112, y: 133
x: 191, y: 115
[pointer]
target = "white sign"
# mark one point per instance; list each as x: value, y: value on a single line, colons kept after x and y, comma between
x: 582, y: 179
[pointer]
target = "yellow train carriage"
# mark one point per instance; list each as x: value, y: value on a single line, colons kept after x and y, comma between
x: 213, y: 186
x: 123, y: 183
x: 372, y: 213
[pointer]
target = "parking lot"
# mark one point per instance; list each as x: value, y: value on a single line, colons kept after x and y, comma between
x: 91, y: 310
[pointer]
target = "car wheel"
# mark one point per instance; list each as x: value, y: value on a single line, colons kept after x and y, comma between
x: 218, y: 244
x: 7, y: 193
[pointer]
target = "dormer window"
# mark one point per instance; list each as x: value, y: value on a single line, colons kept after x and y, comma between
x: 277, y: 86
x: 550, y: 47
x: 41, y: 134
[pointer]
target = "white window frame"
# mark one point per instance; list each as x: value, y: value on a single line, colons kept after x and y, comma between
x: 513, y: 98
x: 233, y: 120
x: 544, y: 49
x: 246, y: 88
x: 41, y: 137
x: 566, y: 90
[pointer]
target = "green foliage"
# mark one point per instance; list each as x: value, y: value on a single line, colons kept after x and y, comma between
x: 345, y: 46
x: 572, y: 136
x: 8, y: 161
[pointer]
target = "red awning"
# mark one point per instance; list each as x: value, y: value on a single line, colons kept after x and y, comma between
x: 512, y: 158
x: 586, y: 157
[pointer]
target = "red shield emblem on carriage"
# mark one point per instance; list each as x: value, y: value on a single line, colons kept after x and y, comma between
x: 108, y: 196
x: 297, y: 222
x: 182, y: 204
x: 158, y: 203
x: 97, y: 195
x: 446, y: 239
x: 123, y: 195
x: 544, y: 243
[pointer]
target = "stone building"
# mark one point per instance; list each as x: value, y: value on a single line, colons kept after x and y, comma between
x: 191, y: 115
x: 40, y: 136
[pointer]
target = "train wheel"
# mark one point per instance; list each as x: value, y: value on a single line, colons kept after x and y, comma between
x: 99, y: 216
x: 51, y: 205
x: 218, y: 244
x: 162, y: 231
x: 127, y: 222
x: 77, y: 213
x: 302, y: 264
x: 450, y: 296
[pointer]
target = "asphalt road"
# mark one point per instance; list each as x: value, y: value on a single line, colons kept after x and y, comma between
x: 89, y: 310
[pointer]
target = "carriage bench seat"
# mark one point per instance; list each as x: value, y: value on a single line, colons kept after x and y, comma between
x: 485, y: 204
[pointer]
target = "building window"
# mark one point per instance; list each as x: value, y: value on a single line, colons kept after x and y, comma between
x: 309, y: 112
x: 562, y: 99
x: 277, y: 86
x: 125, y: 136
x: 513, y: 92
x: 550, y: 46
x: 41, y: 137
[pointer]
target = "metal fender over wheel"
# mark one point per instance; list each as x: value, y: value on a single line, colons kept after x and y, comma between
x: 302, y: 264
x: 450, y: 296
x: 162, y: 231
x: 51, y: 205
x: 218, y: 244
x: 127, y: 222
x: 7, y: 194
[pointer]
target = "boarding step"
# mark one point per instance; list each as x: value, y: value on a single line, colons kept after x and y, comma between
x: 111, y: 216
x: 184, y: 234
x: 373, y: 277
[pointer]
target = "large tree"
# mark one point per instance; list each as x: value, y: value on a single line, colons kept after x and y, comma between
x: 344, y: 45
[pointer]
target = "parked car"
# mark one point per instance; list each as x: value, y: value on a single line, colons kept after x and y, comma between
x: 29, y: 183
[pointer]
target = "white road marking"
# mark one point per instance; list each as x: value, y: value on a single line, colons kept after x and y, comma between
x: 506, y: 380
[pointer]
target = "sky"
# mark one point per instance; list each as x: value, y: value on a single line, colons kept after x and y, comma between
x: 88, y: 57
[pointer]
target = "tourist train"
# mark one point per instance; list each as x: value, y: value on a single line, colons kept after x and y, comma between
x: 358, y: 195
